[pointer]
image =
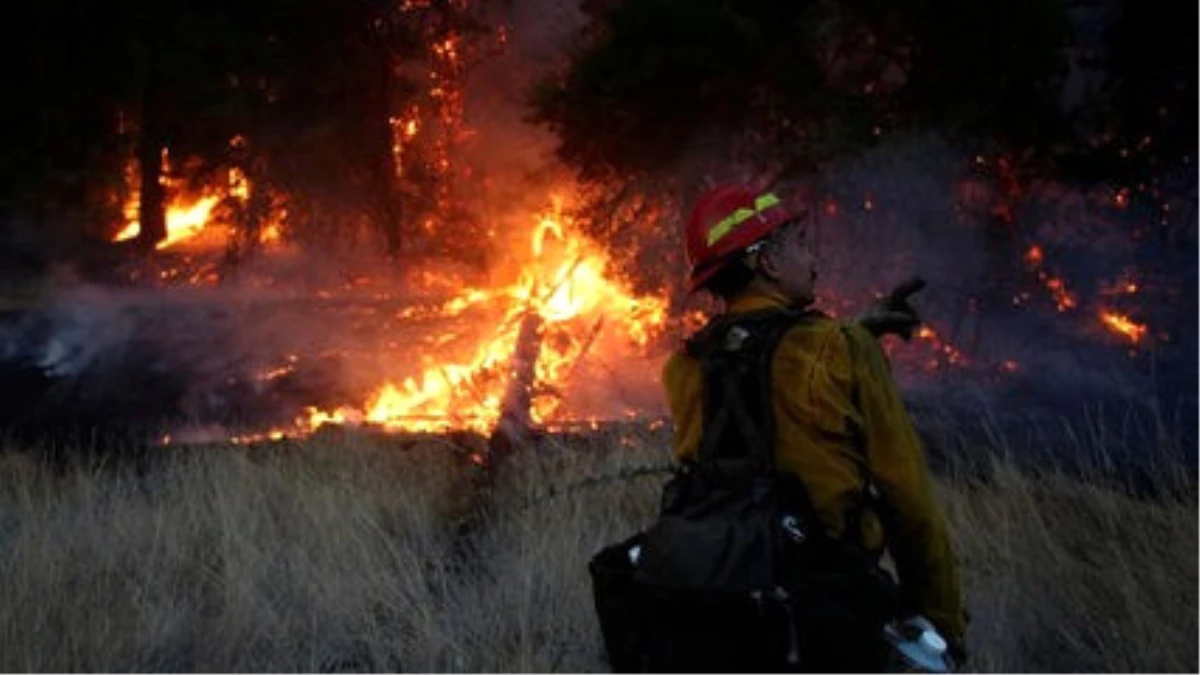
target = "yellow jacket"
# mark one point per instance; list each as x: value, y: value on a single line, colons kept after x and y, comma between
x: 815, y: 371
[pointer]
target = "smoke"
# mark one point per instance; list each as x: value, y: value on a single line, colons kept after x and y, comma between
x: 511, y: 160
x: 75, y: 330
x: 1032, y: 350
x: 1019, y: 280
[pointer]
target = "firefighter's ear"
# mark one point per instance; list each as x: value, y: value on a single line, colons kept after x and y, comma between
x: 767, y: 265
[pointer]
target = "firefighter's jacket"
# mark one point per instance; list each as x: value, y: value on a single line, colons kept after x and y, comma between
x: 837, y: 411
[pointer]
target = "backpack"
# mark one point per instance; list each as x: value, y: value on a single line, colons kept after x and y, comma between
x: 738, y: 574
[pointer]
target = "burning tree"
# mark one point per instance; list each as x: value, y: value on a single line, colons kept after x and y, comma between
x: 675, y: 95
x: 319, y: 134
x: 299, y: 98
x: 300, y: 129
x: 789, y: 86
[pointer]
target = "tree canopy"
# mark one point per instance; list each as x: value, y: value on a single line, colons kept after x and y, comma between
x: 796, y: 83
x: 802, y: 81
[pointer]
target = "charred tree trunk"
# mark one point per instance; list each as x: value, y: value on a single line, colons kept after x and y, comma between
x: 253, y: 215
x: 512, y: 430
x: 389, y: 209
x: 380, y: 162
x: 516, y: 421
x: 152, y: 212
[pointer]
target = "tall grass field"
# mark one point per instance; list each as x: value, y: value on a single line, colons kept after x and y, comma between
x: 353, y: 552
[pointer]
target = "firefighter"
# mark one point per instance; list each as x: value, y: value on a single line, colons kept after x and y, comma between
x: 840, y: 421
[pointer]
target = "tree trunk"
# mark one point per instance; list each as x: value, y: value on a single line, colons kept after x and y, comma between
x: 152, y: 214
x: 379, y: 98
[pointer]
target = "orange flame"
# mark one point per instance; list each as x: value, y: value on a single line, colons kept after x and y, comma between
x: 1123, y: 325
x: 565, y: 284
x: 190, y: 215
x: 185, y: 219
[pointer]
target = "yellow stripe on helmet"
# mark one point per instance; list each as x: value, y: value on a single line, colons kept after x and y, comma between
x: 728, y: 223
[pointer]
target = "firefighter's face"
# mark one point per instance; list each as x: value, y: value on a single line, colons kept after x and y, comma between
x: 791, y: 264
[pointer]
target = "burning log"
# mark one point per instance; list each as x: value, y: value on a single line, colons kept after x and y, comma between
x: 513, y: 429
x: 515, y: 425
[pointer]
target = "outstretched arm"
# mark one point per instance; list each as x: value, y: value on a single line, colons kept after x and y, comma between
x: 918, y: 536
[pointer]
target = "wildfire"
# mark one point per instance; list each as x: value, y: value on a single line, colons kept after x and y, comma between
x: 563, y: 290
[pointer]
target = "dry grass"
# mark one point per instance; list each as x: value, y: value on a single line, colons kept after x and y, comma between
x: 349, y: 554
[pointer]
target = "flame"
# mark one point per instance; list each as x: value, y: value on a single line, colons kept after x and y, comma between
x: 189, y: 215
x: 185, y: 219
x: 1064, y: 300
x: 239, y: 184
x: 565, y: 285
x: 272, y: 233
x: 1123, y: 325
x: 447, y: 49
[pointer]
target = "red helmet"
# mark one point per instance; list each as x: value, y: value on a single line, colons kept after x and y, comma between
x: 725, y: 221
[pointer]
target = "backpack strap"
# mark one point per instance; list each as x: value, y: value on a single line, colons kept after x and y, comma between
x: 737, y: 439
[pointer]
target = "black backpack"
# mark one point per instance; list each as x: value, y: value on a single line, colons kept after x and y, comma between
x: 738, y: 574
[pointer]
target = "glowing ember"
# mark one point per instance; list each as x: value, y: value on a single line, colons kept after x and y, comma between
x: 944, y: 352
x: 1124, y: 326
x: 1064, y: 299
x: 1034, y: 256
x: 1126, y: 285
x: 1121, y: 198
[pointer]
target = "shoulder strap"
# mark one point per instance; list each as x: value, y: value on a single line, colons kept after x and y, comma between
x: 735, y: 351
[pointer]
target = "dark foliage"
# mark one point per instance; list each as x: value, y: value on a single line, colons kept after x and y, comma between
x: 307, y: 86
x: 800, y: 82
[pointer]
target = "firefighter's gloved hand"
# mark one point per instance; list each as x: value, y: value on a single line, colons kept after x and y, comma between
x: 894, y: 314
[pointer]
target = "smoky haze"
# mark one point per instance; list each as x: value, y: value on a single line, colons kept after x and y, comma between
x: 920, y: 207
x: 199, y: 358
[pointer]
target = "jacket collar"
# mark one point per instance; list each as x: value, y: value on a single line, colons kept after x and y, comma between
x: 755, y: 300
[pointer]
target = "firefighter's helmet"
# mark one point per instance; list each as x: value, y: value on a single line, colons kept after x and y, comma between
x: 726, y: 220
